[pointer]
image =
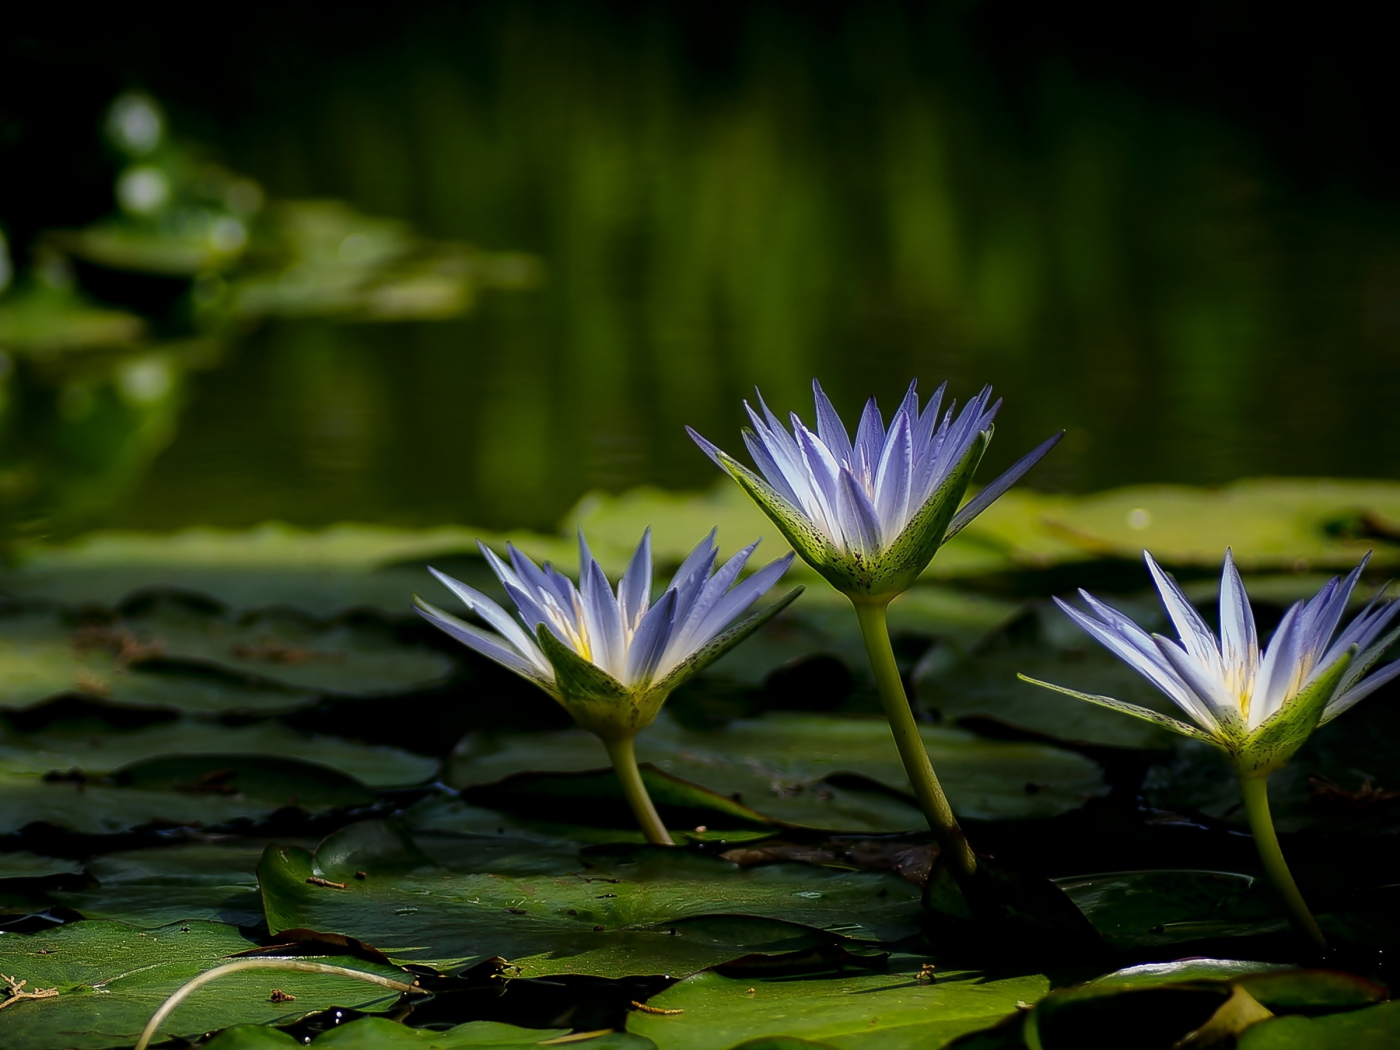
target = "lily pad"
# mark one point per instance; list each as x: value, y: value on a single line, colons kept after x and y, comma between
x: 324, y: 572
x: 782, y: 766
x: 201, y: 791
x: 214, y: 881
x: 1374, y: 1028
x: 110, y: 978
x: 94, y: 746
x: 32, y: 866
x: 651, y: 912
x: 42, y: 655
x: 1138, y: 909
x: 376, y: 1033
x: 890, y: 1011
x: 982, y: 686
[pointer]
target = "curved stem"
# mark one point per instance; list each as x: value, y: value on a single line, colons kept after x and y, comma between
x: 296, y: 965
x: 1256, y: 807
x: 874, y: 627
x: 624, y: 762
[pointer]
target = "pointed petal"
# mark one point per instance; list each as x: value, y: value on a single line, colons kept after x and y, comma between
x: 650, y: 641
x: 894, y: 475
x: 1239, y: 641
x: 1147, y: 715
x: 991, y: 493
x: 604, y: 620
x: 497, y: 617
x: 1277, y: 668
x: 829, y: 426
x: 1346, y: 699
x: 726, y: 608
x: 695, y: 609
x: 717, y: 647
x: 1137, y: 649
x: 488, y: 645
x: 1204, y: 683
x: 634, y: 591
x: 1196, y: 636
x: 860, y: 525
x: 870, y: 439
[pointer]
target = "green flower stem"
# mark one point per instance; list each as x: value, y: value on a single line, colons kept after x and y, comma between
x: 624, y: 761
x: 1256, y: 806
x: 875, y: 628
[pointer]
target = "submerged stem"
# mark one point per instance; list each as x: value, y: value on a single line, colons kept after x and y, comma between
x: 624, y: 761
x: 1256, y: 806
x: 874, y: 627
x: 295, y: 965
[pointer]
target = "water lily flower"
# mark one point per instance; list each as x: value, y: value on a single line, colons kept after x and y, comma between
x: 869, y: 514
x: 1256, y: 705
x: 611, y: 657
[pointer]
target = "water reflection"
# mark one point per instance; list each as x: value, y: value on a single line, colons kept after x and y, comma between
x: 863, y: 201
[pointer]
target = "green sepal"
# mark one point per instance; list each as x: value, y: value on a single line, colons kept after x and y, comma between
x: 811, y: 544
x: 1147, y: 715
x: 900, y: 564
x: 721, y: 644
x: 598, y: 701
x: 1271, y: 745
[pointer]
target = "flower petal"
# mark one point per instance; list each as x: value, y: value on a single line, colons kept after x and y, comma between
x: 991, y: 493
x: 497, y: 617
x: 488, y: 645
x: 1147, y: 715
x: 1239, y: 641
x: 829, y: 426
x: 634, y: 590
x: 717, y: 647
x: 1196, y: 636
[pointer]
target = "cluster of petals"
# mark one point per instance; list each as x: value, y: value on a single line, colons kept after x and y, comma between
x: 622, y: 632
x: 862, y: 493
x: 1228, y: 686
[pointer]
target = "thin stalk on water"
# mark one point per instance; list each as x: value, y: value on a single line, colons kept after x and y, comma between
x: 294, y: 965
x: 875, y: 629
x: 624, y: 762
x: 1261, y: 824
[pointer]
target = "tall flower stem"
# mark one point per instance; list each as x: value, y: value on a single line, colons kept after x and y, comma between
x: 1256, y: 807
x: 624, y: 762
x: 875, y: 628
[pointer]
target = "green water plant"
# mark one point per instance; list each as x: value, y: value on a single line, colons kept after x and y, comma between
x: 612, y: 657
x: 869, y: 514
x: 1257, y: 705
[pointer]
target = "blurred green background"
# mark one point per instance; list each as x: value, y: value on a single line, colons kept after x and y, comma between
x: 563, y: 231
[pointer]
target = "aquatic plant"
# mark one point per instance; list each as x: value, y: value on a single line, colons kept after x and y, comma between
x: 869, y: 514
x: 611, y: 658
x: 1257, y: 706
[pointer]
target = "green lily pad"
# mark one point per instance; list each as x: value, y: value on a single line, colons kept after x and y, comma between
x: 324, y: 572
x: 893, y: 1010
x: 110, y: 978
x: 360, y: 657
x: 612, y: 920
x: 1374, y: 1028
x: 781, y: 767
x: 376, y: 1033
x: 214, y: 881
x: 1138, y: 909
x: 42, y: 656
x: 96, y: 747
x: 193, y: 791
x: 982, y: 686
x: 32, y: 866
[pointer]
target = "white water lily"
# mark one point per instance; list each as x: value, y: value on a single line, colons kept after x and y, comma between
x: 611, y: 657
x: 1256, y: 704
x: 870, y: 513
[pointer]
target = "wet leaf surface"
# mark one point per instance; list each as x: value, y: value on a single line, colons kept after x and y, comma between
x: 780, y: 767
x: 373, y: 1033
x: 896, y: 1009
x: 110, y: 978
x: 614, y: 917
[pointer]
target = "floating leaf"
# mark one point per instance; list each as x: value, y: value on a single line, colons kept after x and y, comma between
x: 888, y: 1011
x: 1134, y: 909
x: 110, y: 978
x: 376, y: 1033
x: 1375, y: 1028
x: 777, y: 765
x: 32, y: 866
x: 612, y: 920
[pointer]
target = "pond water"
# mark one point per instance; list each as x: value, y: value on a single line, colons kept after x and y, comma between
x: 768, y: 201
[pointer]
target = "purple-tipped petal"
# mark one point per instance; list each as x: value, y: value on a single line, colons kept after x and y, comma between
x: 634, y: 591
x: 992, y: 492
